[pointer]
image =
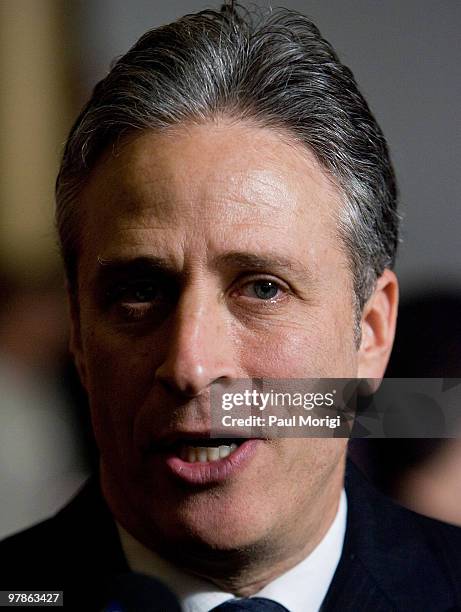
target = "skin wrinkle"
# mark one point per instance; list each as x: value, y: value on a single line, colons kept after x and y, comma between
x: 298, y: 154
x: 160, y: 377
x: 225, y: 264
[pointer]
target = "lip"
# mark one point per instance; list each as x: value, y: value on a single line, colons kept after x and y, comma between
x: 167, y: 438
x: 211, y: 472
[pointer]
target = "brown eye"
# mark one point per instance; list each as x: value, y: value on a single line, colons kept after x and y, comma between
x: 143, y: 293
x: 136, y: 293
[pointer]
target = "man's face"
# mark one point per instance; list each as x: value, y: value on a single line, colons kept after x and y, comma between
x: 210, y: 253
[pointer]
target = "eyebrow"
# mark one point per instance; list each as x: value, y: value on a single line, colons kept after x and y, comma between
x: 112, y: 269
x: 109, y: 268
x: 147, y: 261
x: 268, y: 262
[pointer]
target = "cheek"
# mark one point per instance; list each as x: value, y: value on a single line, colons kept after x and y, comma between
x: 120, y: 375
x: 299, y: 470
x: 313, y: 462
x: 319, y: 347
x: 318, y: 466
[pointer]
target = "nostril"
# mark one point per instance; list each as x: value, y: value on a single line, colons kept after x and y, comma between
x: 188, y: 381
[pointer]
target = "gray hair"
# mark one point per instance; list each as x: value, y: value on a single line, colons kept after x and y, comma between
x: 277, y: 71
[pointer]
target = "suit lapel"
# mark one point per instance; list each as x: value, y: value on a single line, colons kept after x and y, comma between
x: 387, y: 563
x: 354, y: 590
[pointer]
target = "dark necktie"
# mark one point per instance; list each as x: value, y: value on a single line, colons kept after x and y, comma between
x: 254, y: 604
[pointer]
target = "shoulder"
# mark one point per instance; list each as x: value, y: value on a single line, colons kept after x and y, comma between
x: 389, y: 522
x: 444, y: 543
x: 77, y: 548
x: 36, y: 555
x: 409, y: 557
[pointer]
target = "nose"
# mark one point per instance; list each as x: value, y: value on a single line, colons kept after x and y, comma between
x: 200, y: 349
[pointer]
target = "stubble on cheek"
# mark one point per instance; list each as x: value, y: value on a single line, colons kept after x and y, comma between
x: 116, y: 389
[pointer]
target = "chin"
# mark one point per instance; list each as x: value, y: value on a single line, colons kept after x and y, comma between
x: 202, y: 522
x: 207, y: 548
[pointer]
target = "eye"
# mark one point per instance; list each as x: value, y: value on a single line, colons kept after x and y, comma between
x: 147, y: 292
x: 138, y: 292
x: 140, y: 300
x: 263, y: 289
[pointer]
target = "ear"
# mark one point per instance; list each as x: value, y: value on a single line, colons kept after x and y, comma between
x: 75, y: 340
x: 378, y: 323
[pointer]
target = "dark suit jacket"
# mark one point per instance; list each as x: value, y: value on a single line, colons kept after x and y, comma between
x: 393, y: 559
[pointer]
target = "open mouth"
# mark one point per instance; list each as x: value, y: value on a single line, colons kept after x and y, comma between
x: 200, y: 460
x: 194, y: 451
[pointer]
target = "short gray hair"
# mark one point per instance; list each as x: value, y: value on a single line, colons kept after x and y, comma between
x: 277, y: 71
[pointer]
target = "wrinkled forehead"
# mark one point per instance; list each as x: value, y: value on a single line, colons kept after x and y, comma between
x: 208, y: 200
x: 210, y: 172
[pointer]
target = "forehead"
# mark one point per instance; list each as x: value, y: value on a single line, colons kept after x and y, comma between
x: 231, y: 181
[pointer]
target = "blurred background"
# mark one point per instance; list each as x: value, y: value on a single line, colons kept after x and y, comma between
x: 405, y: 56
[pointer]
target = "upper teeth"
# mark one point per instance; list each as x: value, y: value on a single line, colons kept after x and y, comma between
x: 203, y: 454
